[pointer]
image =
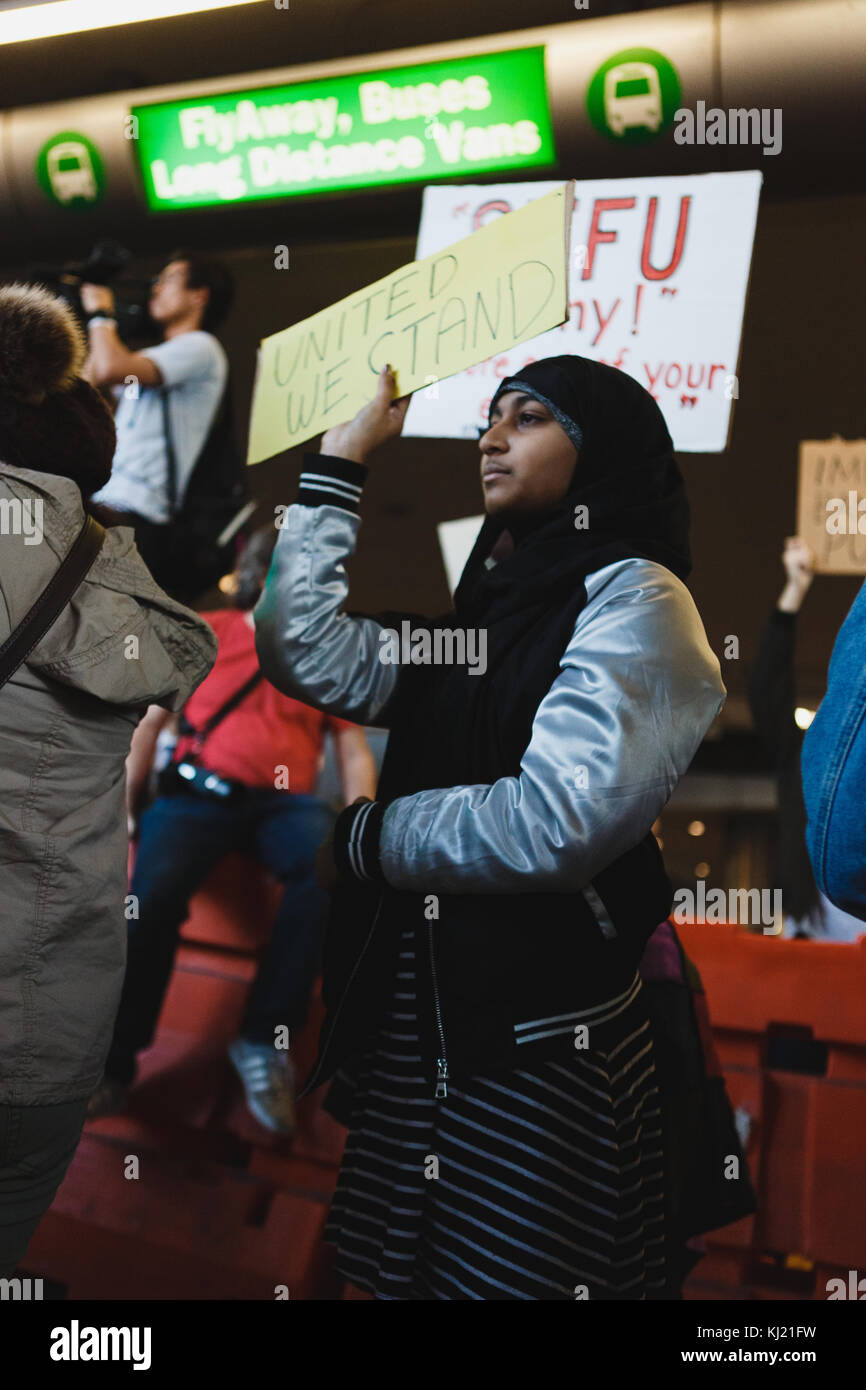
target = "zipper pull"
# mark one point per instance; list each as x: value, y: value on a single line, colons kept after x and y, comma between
x: 441, y: 1079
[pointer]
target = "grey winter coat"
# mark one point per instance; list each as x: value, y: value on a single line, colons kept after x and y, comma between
x: 66, y: 721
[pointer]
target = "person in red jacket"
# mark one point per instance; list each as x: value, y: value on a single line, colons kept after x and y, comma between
x: 246, y: 785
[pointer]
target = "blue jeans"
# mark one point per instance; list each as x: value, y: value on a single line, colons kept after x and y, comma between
x: 182, y: 838
x: 834, y: 771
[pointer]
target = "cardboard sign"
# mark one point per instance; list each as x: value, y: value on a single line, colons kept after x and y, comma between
x: 831, y: 503
x: 429, y: 319
x: 658, y: 274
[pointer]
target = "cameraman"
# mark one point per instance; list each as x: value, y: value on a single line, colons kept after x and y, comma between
x: 190, y: 298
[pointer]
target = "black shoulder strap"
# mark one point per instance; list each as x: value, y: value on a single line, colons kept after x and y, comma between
x: 231, y: 703
x: 223, y: 419
x: 53, y: 599
x: 171, y: 458
x: 226, y: 708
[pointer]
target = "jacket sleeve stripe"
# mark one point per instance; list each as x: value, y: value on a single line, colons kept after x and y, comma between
x: 328, y: 481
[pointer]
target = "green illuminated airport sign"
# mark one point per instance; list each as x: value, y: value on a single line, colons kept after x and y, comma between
x: 456, y: 117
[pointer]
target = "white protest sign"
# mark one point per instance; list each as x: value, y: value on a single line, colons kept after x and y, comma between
x: 658, y: 273
x: 456, y: 539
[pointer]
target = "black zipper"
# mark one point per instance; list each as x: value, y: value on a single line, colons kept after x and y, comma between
x: 442, y: 1060
x: 324, y: 1048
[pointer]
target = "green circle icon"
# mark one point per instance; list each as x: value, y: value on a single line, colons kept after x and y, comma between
x: 634, y: 95
x: 70, y: 170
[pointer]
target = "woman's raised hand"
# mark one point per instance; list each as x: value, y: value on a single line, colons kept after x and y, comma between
x: 374, y: 423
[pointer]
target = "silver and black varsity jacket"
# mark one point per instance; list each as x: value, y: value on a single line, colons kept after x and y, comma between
x: 637, y: 688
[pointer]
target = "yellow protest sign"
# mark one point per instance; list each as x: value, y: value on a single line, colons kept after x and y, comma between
x: 505, y: 283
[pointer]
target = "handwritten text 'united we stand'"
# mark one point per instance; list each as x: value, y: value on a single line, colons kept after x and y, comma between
x: 429, y: 319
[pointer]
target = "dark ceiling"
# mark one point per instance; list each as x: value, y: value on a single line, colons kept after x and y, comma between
x: 261, y: 36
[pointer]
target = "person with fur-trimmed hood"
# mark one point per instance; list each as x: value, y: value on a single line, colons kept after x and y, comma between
x: 67, y: 716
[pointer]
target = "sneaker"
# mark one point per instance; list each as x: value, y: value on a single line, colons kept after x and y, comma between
x: 268, y: 1076
x: 109, y: 1098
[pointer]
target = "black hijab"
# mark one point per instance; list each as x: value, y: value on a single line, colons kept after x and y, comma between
x: 450, y: 726
x: 626, y: 476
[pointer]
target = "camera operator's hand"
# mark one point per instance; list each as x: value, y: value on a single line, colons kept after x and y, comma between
x: 97, y: 299
x: 381, y: 419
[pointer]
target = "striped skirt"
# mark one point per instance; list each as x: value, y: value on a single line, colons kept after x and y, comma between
x: 544, y: 1183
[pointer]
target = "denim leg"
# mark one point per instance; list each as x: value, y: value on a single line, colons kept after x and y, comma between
x: 182, y: 838
x: 289, y: 830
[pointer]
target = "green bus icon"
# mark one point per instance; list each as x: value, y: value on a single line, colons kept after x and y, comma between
x: 70, y: 171
x: 633, y: 95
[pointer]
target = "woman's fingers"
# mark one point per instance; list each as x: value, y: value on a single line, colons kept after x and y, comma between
x: 397, y: 412
x: 393, y: 409
x: 377, y: 421
x: 385, y: 388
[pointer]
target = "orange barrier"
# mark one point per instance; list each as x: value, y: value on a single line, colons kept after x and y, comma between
x: 224, y: 1209
x: 221, y: 1207
x: 807, y: 1129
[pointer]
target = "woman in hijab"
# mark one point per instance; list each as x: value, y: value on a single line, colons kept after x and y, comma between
x: 492, y: 904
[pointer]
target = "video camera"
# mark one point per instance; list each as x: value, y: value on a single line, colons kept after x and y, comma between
x: 104, y: 266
